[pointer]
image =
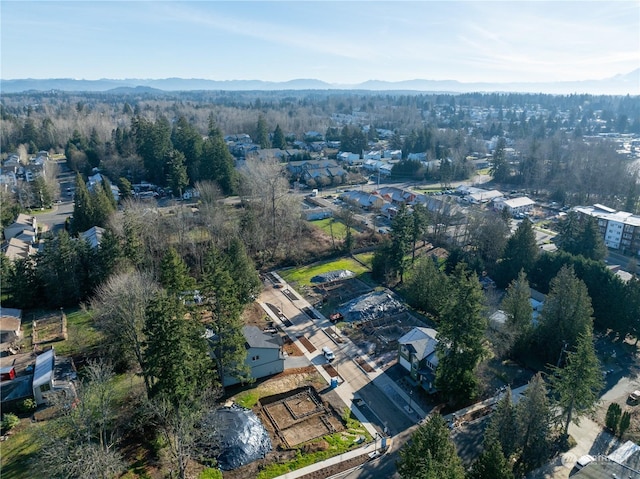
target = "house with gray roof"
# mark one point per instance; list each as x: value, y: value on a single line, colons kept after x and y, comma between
x: 417, y: 354
x: 264, y: 354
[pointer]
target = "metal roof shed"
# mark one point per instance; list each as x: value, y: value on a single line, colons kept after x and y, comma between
x: 43, y: 375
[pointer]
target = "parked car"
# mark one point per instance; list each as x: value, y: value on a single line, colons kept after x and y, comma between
x: 328, y: 354
x: 634, y: 397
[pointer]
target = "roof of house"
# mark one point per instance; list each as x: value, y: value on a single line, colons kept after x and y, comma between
x: 624, y: 462
x: 255, y: 338
x: 43, y: 371
x: 10, y: 319
x: 18, y: 249
x: 423, y: 342
x: 93, y: 235
x: 24, y: 220
x: 517, y: 202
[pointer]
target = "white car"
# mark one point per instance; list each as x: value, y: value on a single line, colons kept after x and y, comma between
x: 328, y: 354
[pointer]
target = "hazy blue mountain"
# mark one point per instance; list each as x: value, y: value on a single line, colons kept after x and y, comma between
x: 623, y: 84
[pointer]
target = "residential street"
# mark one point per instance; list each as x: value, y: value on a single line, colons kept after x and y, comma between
x: 381, y: 403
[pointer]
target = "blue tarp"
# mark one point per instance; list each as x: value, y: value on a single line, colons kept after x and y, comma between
x: 241, y: 436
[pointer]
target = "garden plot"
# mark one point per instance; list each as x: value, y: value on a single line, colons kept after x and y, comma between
x: 49, y: 328
x: 300, y: 416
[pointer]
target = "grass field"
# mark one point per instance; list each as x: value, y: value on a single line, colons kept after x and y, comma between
x: 302, y: 276
x: 84, y: 338
x: 329, y: 224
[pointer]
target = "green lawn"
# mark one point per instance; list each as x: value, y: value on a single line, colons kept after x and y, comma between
x: 19, y: 450
x: 302, y: 276
x: 329, y: 224
x: 83, y: 336
x: 366, y: 258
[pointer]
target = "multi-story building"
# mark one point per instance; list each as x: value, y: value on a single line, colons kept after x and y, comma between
x: 620, y: 230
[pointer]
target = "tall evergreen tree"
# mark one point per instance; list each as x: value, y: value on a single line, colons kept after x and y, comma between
x: 578, y: 384
x: 176, y: 353
x: 177, y: 177
x: 420, y: 217
x: 216, y: 162
x: 500, y: 169
x: 103, y: 204
x: 520, y: 253
x: 430, y: 454
x: 503, y: 428
x: 221, y: 301
x: 426, y: 289
x: 262, y: 134
x: 591, y: 242
x: 535, y: 421
x: 188, y: 141
x: 246, y: 279
x: 517, y: 304
x: 460, y: 337
x: 174, y: 273
x: 64, y: 270
x: 279, y: 140
x: 491, y: 464
x: 566, y: 314
x: 83, y: 207
x: 23, y: 283
x: 401, y: 239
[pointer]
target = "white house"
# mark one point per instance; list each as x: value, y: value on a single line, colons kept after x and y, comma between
x: 264, y: 354
x: 514, y: 206
x: 348, y: 157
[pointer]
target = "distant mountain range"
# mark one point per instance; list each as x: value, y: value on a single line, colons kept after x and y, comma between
x: 627, y: 84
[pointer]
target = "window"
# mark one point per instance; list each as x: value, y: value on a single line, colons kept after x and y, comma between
x: 45, y: 387
x: 255, y: 358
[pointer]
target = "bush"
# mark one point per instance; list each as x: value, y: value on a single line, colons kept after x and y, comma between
x: 210, y: 473
x: 613, y: 417
x: 9, y: 421
x: 27, y: 405
x: 625, y: 422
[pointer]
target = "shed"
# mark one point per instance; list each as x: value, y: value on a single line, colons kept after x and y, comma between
x: 43, y: 376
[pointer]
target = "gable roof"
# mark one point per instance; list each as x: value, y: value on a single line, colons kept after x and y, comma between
x: 93, y: 235
x: 255, y: 338
x: 422, y: 342
x: 43, y: 371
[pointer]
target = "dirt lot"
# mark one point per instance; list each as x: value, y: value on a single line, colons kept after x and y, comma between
x: 327, y: 297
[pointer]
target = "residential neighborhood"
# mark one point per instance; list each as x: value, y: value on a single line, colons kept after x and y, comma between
x: 328, y: 291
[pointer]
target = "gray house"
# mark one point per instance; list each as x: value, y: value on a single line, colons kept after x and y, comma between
x: 417, y: 354
x: 264, y: 354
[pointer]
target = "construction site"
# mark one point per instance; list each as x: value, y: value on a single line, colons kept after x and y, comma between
x: 298, y: 416
x: 373, y: 320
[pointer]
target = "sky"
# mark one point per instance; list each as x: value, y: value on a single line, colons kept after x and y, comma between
x: 335, y: 41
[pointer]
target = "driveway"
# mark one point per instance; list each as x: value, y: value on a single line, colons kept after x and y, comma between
x: 591, y: 439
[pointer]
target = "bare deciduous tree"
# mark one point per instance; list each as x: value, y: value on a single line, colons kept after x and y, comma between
x: 120, y: 310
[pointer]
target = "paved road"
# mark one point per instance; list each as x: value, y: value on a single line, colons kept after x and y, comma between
x: 54, y: 219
